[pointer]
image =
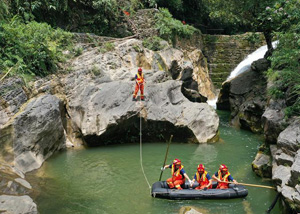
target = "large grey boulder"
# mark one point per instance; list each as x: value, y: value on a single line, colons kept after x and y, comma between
x: 281, y: 174
x: 272, y: 120
x: 292, y: 197
x: 105, y: 113
x: 289, y: 139
x: 34, y: 133
x: 17, y: 205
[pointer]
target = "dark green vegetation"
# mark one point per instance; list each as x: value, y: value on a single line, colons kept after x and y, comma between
x: 285, y: 60
x: 29, y: 46
x: 32, y: 48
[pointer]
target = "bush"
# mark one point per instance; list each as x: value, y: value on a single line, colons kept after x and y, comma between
x: 169, y: 28
x: 31, y: 48
x: 153, y: 43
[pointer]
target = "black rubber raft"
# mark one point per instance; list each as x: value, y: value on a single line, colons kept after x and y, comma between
x: 160, y: 189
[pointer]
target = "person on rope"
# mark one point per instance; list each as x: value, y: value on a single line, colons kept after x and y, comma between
x: 140, y: 81
x: 203, y: 178
x: 178, y: 174
x: 223, y: 176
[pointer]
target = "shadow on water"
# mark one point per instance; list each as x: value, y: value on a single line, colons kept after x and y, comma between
x: 108, y: 179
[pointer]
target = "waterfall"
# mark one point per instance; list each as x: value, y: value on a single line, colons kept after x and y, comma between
x: 244, y: 66
x: 246, y: 63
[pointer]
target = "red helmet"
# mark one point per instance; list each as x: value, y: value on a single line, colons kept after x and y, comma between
x: 201, y: 168
x: 223, y: 168
x: 176, y: 162
x: 140, y: 70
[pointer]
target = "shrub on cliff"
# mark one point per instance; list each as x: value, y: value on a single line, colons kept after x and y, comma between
x: 31, y: 48
x: 169, y: 28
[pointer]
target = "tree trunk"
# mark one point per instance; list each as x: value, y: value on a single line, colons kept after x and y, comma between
x: 268, y: 38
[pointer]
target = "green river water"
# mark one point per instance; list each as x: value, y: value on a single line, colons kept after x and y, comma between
x: 109, y: 179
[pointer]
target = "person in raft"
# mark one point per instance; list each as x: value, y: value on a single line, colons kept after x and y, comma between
x: 203, y: 178
x: 222, y: 176
x: 178, y: 174
x: 139, y: 84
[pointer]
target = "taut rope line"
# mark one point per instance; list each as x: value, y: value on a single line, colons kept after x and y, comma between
x: 141, y: 150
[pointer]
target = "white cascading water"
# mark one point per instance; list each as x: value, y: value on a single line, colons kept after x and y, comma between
x: 246, y: 63
x: 244, y: 66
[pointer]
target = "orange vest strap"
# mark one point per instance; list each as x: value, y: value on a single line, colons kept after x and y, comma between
x: 203, y: 176
x: 225, y: 178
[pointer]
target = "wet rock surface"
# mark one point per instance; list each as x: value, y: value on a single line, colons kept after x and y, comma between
x: 245, y: 95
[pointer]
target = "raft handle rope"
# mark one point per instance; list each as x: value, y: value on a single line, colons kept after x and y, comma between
x: 141, y: 151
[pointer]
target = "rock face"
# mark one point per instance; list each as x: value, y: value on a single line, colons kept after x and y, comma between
x: 289, y: 139
x: 17, y: 204
x: 100, y: 111
x: 262, y: 165
x: 122, y: 62
x: 272, y: 120
x: 245, y: 97
x: 34, y: 134
x: 12, y: 96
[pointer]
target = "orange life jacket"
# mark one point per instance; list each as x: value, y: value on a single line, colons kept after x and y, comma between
x: 202, y: 180
x: 140, y: 78
x: 176, y: 174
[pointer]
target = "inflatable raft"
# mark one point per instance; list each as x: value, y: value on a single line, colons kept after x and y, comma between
x: 160, y: 189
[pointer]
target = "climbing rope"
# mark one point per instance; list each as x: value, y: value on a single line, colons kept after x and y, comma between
x: 141, y: 150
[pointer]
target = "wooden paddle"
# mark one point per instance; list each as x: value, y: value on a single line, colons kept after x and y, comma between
x: 251, y: 185
x: 166, y: 156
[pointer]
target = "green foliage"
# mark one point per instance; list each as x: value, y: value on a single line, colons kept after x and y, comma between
x: 96, y: 70
x: 280, y: 15
x: 108, y: 46
x: 95, y: 16
x: 153, y: 43
x: 78, y: 51
x: 253, y: 38
x: 235, y: 15
x: 285, y: 65
x: 31, y: 48
x: 4, y: 13
x: 138, y: 49
x: 132, y: 6
x: 169, y: 28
